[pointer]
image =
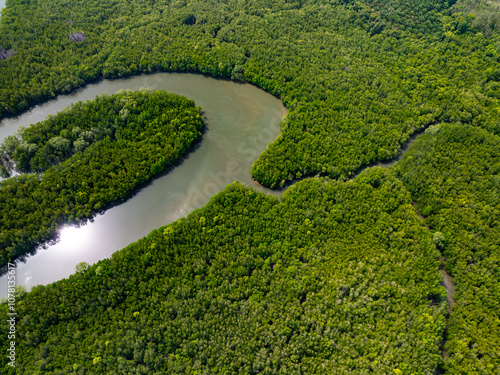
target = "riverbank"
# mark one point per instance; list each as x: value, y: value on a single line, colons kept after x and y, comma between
x: 241, y: 121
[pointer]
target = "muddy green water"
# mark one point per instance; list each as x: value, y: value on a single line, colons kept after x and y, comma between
x: 241, y: 121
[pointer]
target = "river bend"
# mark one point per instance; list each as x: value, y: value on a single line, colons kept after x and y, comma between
x: 241, y: 121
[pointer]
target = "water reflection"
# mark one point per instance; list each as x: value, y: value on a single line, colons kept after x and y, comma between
x: 241, y: 121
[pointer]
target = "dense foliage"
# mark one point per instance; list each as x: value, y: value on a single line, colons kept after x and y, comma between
x: 337, y: 277
x: 357, y: 77
x: 484, y: 13
x: 417, y: 16
x: 453, y: 173
x: 102, y: 150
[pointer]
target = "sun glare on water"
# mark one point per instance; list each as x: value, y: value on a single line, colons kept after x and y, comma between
x: 73, y: 236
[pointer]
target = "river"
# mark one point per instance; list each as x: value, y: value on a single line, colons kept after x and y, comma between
x: 241, y: 121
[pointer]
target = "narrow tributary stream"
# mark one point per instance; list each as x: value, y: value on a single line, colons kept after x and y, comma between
x: 450, y: 291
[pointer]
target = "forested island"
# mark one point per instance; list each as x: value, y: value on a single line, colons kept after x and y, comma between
x: 341, y: 275
x: 85, y: 158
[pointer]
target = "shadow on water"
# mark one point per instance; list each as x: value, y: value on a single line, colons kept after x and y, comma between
x: 447, y: 279
x: 240, y: 121
x: 54, y: 237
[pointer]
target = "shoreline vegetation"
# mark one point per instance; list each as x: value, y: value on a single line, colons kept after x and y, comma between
x: 85, y: 159
x: 16, y: 158
x: 350, y: 263
x: 340, y: 268
x: 357, y: 82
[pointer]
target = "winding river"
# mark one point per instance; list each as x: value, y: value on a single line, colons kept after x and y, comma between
x: 241, y: 121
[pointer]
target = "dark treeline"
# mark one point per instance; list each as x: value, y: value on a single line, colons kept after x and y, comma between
x: 92, y: 154
x: 336, y: 278
x: 358, y: 77
x: 453, y: 173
